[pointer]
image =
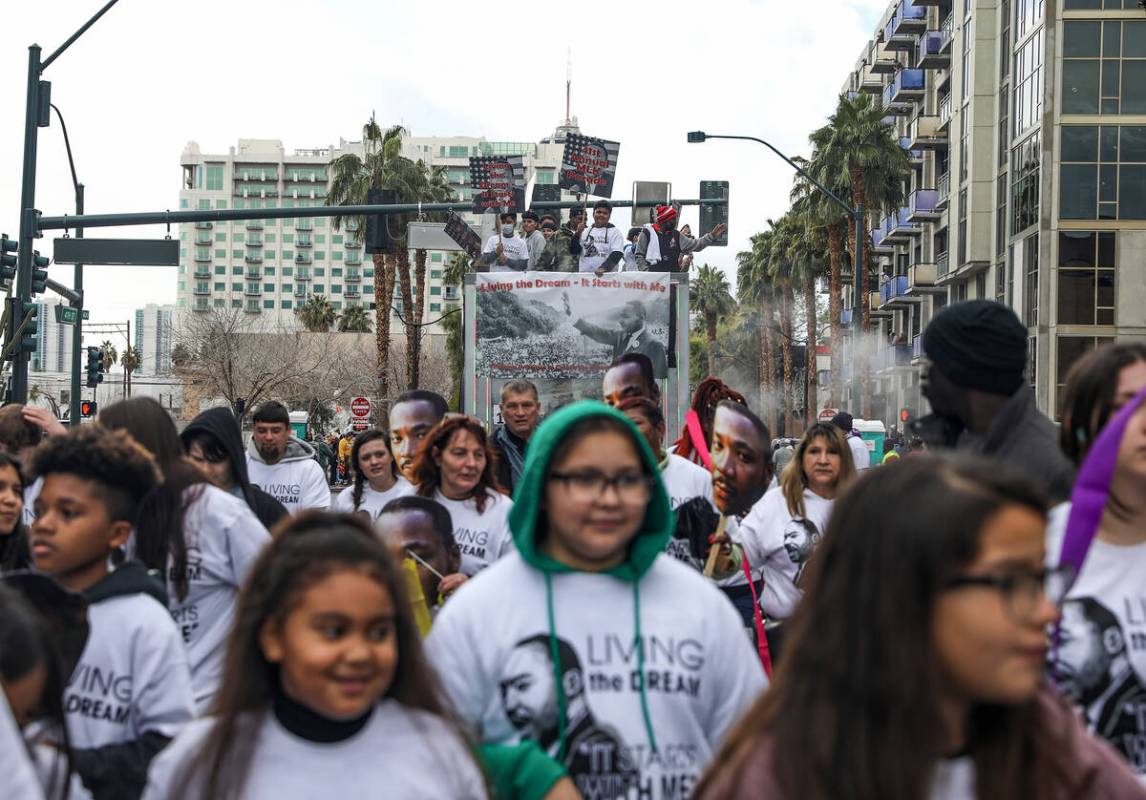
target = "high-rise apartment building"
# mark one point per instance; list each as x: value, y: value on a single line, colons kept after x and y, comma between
x: 1025, y: 123
x: 152, y: 334
x: 53, y: 340
x: 269, y: 267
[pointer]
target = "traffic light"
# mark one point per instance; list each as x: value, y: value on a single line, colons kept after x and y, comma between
x: 377, y: 230
x: 88, y: 408
x: 28, y: 338
x: 8, y: 249
x: 39, y: 272
x: 906, y: 417
x: 20, y: 335
x: 94, y: 367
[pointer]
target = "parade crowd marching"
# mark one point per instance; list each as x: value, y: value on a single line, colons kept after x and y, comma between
x: 575, y: 607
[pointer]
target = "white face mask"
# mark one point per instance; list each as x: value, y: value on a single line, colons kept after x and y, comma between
x: 507, y: 230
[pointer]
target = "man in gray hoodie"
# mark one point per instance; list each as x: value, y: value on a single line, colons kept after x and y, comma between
x: 282, y: 465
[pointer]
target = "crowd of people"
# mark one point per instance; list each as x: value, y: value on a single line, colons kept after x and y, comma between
x: 574, y: 606
x: 547, y: 244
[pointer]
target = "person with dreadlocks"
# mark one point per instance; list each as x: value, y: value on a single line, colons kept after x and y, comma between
x: 660, y: 245
x: 707, y: 397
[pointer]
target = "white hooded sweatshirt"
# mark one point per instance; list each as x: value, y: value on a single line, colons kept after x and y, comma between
x: 296, y: 480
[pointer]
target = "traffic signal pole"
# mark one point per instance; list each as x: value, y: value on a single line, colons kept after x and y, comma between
x: 27, y: 218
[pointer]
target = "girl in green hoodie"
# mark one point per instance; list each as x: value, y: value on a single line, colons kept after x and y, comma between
x: 625, y: 666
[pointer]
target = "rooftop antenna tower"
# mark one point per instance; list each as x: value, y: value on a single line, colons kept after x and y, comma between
x: 568, y: 85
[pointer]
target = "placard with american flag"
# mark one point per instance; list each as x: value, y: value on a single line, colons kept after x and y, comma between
x: 589, y: 165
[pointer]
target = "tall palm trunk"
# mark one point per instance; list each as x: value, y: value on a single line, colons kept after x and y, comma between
x: 860, y: 197
x: 383, y: 288
x: 835, y: 309
x: 419, y: 313
x: 710, y: 338
x: 407, y: 311
x: 768, y: 362
x: 786, y: 355
x: 812, y: 406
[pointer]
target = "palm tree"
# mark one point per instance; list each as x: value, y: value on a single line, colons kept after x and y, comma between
x: 131, y: 360
x: 711, y: 298
x: 453, y: 275
x: 807, y: 249
x: 351, y: 179
x: 354, y: 320
x: 779, y: 268
x: 109, y: 353
x: 858, y: 147
x: 317, y: 314
x: 753, y: 286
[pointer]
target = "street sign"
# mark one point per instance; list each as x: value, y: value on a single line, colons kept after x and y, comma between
x: 119, y: 252
x: 359, y: 425
x: 66, y: 315
x: 360, y: 407
x: 657, y: 191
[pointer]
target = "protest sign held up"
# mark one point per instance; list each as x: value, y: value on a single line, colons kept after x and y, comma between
x: 589, y: 165
x: 501, y: 181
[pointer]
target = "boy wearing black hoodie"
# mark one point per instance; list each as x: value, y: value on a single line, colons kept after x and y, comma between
x: 214, y: 443
x: 131, y: 691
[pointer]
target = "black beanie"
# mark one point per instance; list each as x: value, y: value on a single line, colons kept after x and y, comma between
x: 843, y: 420
x: 978, y: 344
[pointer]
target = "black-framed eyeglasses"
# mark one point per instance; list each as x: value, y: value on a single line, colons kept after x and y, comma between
x: 585, y: 487
x: 1022, y: 591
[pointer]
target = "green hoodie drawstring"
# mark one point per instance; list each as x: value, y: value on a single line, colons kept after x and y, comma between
x: 640, y: 642
x: 555, y: 660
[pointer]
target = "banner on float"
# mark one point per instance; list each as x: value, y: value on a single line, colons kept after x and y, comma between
x: 589, y: 165
x: 500, y: 181
x: 559, y: 326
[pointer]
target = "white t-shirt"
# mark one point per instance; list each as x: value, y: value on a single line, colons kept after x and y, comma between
x: 400, y: 753
x: 954, y: 779
x: 20, y: 779
x: 514, y: 247
x: 298, y: 484
x: 860, y: 454
x: 30, y: 495
x: 491, y: 643
x: 372, y: 501
x: 778, y: 545
x: 224, y: 538
x: 1101, y: 658
x: 597, y: 244
x: 483, y: 537
x: 684, y: 481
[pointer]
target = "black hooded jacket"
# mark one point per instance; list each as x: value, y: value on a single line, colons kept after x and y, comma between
x: 221, y: 424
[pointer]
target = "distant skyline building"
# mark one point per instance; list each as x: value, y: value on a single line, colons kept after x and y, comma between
x: 152, y: 336
x: 53, y: 340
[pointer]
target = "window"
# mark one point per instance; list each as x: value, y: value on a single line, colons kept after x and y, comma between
x: 268, y: 287
x: 436, y: 257
x: 237, y: 286
x: 1028, y: 14
x: 1086, y: 278
x: 220, y: 270
x: 1070, y: 350
x: 435, y: 306
x: 964, y: 126
x: 221, y: 236
x: 336, y: 288
x: 1001, y: 282
x: 319, y: 255
x: 220, y: 253
x: 1031, y: 289
x: 236, y: 254
x: 962, y: 226
x: 269, y: 271
x: 319, y: 288
x: 1001, y: 214
x: 336, y: 272
x: 286, y: 304
x: 220, y: 286
x: 320, y: 272
x: 236, y: 270
x: 435, y: 274
x: 1025, y: 184
x: 1005, y: 41
x: 435, y: 290
x: 268, y: 304
x: 1095, y: 5
x: 1004, y: 125
x: 1028, y: 83
x: 1104, y: 67
x: 1103, y: 172
x: 965, y: 68
x: 204, y: 205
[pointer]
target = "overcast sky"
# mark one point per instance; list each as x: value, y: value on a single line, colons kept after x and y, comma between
x: 154, y: 74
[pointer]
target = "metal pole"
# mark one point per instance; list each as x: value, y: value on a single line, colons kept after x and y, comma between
x: 126, y: 371
x: 78, y: 328
x: 858, y: 301
x: 27, y: 203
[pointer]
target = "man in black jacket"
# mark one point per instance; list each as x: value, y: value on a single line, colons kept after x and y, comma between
x: 214, y: 443
x: 521, y: 410
x: 977, y: 353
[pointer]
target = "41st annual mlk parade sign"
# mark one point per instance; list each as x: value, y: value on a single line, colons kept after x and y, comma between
x: 559, y: 326
x: 589, y: 165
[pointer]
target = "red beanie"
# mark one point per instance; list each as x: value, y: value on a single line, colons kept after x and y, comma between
x: 665, y: 213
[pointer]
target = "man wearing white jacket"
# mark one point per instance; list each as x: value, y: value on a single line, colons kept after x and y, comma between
x: 283, y: 466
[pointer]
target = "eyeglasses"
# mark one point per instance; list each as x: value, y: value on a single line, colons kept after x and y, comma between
x: 585, y: 487
x: 1022, y: 591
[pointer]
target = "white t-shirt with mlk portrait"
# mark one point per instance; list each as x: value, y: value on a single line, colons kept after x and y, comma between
x: 597, y: 244
x: 372, y: 500
x: 514, y: 247
x: 482, y: 536
x: 1100, y: 662
x: 778, y: 545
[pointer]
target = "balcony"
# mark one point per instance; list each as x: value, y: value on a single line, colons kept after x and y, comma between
x: 303, y: 177
x: 914, y: 155
x: 899, y: 228
x: 352, y: 293
x: 253, y: 307
x: 452, y: 293
x: 203, y: 241
x: 253, y: 290
x: 870, y: 82
x: 302, y: 275
x: 892, y: 290
x: 201, y: 289
x: 253, y: 273
x: 926, y: 134
x: 910, y: 18
x: 303, y: 258
x: 941, y: 265
x: 350, y: 227
x: 883, y: 66
x: 203, y: 226
x: 916, y: 348
x: 944, y: 112
x: 944, y: 191
x: 258, y: 175
x: 202, y: 273
x: 254, y: 224
x: 921, y: 206
x: 303, y: 241
x: 904, y: 90
x: 879, y: 243
x: 300, y: 291
x: 875, y: 305
x: 203, y: 255
x: 921, y: 279
x: 201, y: 304
x: 353, y: 260
x: 254, y: 258
x: 931, y: 52
x: 255, y: 242
x: 846, y: 318
x: 353, y: 244
x: 946, y: 34
x: 304, y: 225
x: 244, y: 191
x: 353, y: 276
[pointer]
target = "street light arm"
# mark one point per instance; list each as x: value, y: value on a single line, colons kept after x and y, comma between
x: 83, y: 29
x: 68, y: 147
x: 847, y: 208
